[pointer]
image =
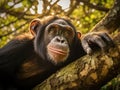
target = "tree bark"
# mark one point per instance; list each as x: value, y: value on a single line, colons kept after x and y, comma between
x: 90, y: 72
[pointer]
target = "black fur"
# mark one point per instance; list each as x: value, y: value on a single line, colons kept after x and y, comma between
x: 19, y: 51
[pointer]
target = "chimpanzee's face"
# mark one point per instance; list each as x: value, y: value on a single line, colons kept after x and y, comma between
x: 53, y: 38
x: 58, y: 37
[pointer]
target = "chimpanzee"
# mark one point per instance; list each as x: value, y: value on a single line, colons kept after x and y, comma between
x: 28, y: 60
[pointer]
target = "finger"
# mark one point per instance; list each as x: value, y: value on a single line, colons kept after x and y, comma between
x: 86, y: 47
x: 99, y: 41
x: 107, y: 38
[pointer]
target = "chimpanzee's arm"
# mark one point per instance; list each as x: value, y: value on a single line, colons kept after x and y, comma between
x: 12, y: 54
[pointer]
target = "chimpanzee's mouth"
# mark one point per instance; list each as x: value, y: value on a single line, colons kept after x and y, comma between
x: 57, y: 51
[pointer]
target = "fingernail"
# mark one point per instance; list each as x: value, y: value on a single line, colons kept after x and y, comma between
x: 89, y: 51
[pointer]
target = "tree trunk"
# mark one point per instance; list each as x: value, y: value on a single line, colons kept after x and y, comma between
x: 90, y: 72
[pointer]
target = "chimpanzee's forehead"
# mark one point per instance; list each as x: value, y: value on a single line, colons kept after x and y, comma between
x: 61, y: 21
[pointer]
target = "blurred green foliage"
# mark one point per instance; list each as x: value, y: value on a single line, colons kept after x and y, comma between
x: 15, y: 15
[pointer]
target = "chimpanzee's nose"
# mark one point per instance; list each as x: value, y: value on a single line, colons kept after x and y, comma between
x: 60, y: 39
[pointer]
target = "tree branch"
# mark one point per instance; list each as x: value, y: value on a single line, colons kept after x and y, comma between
x: 111, y: 21
x: 14, y: 30
x: 94, y: 6
x: 72, y: 7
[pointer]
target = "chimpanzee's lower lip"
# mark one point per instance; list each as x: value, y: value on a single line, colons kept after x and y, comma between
x: 58, y: 51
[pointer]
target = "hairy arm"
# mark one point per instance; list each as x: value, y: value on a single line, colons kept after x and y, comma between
x: 13, y: 53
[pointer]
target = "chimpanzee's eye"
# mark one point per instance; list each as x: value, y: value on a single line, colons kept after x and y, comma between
x: 69, y: 33
x: 52, y: 31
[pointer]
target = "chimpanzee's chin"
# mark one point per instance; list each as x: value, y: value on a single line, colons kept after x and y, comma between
x: 57, y: 59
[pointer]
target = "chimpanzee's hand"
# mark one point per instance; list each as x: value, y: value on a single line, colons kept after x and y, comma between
x: 101, y: 39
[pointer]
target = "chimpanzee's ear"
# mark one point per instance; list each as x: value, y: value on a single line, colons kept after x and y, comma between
x: 79, y: 35
x: 34, y: 25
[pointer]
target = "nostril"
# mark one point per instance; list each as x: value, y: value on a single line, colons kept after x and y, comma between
x: 62, y: 41
x: 57, y: 39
